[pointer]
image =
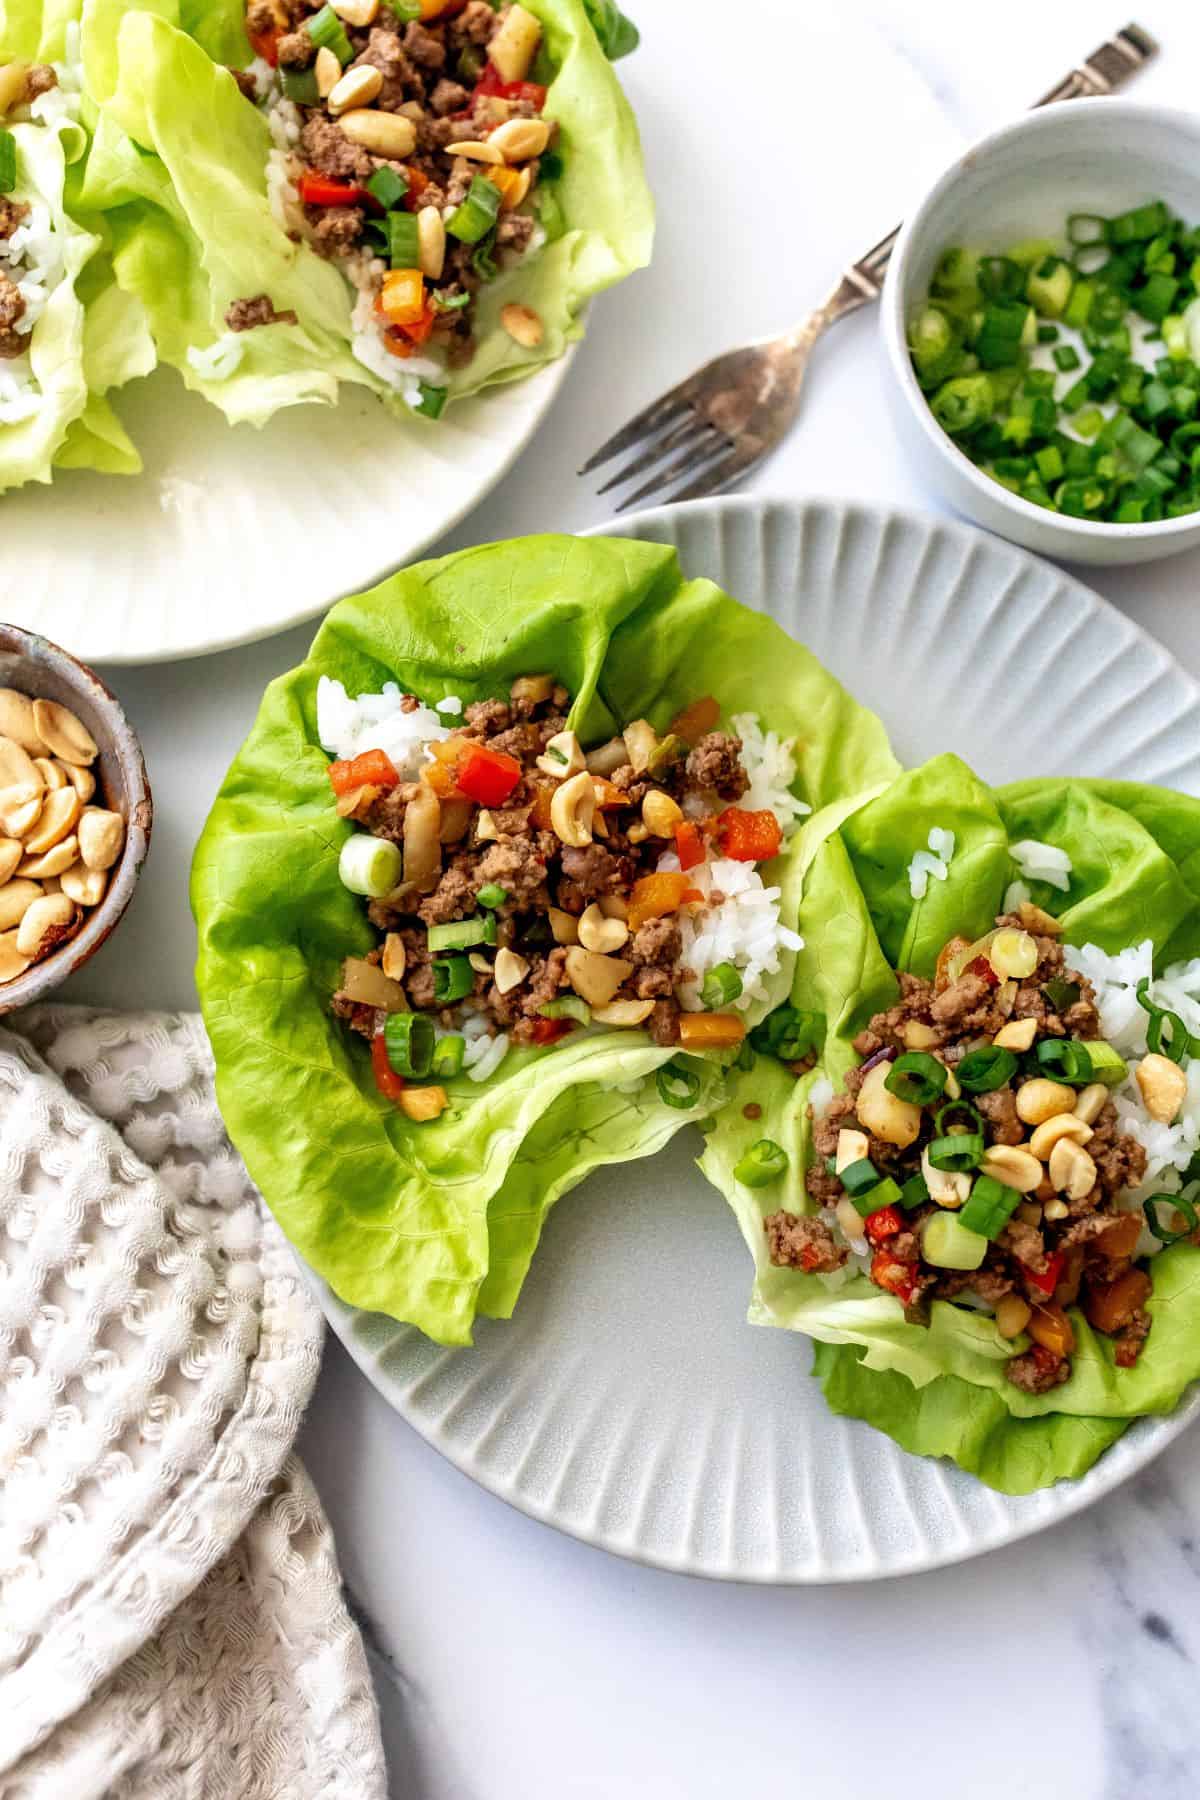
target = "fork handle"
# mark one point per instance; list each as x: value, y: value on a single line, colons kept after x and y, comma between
x: 1106, y: 69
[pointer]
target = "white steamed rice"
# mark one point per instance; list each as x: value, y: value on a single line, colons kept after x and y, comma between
x: 1169, y: 1148
x: 483, y: 1053
x: 933, y: 863
x: 377, y: 722
x: 770, y: 762
x: 1042, y: 862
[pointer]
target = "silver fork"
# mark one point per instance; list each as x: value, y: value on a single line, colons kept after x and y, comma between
x: 726, y: 418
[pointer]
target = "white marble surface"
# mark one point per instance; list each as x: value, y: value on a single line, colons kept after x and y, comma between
x: 514, y: 1664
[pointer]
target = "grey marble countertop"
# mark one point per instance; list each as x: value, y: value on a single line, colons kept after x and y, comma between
x: 514, y: 1664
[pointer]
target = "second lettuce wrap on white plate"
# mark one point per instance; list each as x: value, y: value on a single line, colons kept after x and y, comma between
x: 180, y: 165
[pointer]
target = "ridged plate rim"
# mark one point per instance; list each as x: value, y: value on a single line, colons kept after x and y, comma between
x: 870, y: 1461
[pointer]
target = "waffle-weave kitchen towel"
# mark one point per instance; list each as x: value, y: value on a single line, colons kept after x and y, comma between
x: 171, y: 1619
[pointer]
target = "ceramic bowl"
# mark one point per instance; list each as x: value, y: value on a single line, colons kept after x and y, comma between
x: 1094, y: 156
x: 44, y: 672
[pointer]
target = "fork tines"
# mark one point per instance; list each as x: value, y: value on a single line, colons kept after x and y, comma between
x: 672, y: 422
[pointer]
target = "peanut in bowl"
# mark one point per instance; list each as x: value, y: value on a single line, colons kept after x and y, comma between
x: 75, y: 815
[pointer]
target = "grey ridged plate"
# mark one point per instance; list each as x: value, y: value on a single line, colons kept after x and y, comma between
x: 628, y: 1402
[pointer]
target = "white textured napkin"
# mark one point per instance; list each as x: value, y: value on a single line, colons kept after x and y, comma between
x: 171, y: 1620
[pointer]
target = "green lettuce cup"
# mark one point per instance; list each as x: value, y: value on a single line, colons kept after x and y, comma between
x: 436, y: 1222
x: 940, y: 1388
x: 180, y: 163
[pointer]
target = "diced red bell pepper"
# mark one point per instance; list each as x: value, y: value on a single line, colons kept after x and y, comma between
x: 266, y: 44
x: 895, y: 1276
x: 689, y: 845
x: 748, y: 836
x: 884, y: 1223
x: 488, y: 776
x: 490, y: 83
x: 1048, y: 1280
x: 548, y: 1031
x: 374, y: 768
x: 390, y: 1085
x: 418, y: 331
x: 983, y: 968
x: 324, y: 190
x: 417, y: 183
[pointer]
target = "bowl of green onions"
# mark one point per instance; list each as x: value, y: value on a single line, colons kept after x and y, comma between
x: 1042, y: 318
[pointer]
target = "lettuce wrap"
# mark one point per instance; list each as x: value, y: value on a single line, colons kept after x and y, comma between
x: 89, y: 337
x: 436, y: 1222
x: 180, y: 162
x: 941, y: 1390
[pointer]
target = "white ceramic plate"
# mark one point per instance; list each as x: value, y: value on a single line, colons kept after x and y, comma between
x: 232, y: 533
x: 628, y: 1402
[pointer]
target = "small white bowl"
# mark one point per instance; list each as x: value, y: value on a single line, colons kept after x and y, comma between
x: 1093, y: 156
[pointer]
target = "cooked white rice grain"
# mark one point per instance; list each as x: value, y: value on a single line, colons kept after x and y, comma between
x: 743, y: 928
x: 1042, y: 862
x: 770, y: 763
x: 219, y: 360
x: 347, y: 727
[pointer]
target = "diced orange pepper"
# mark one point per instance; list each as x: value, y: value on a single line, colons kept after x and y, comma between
x: 710, y: 1031
x: 509, y: 182
x: 656, y: 895
x: 1110, y: 1307
x: 607, y: 794
x: 441, y: 9
x: 402, y: 296
x: 1050, y: 1327
x: 692, y: 723
x: 417, y: 183
x: 372, y: 769
x: 690, y: 894
x: 422, y: 328
x: 689, y: 845
x: 749, y: 836
x: 442, y: 777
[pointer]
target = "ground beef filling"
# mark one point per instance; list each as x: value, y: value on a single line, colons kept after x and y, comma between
x: 430, y: 74
x: 548, y: 885
x: 245, y: 315
x: 1055, y: 1251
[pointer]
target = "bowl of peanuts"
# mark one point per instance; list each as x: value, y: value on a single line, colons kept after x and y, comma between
x: 75, y: 815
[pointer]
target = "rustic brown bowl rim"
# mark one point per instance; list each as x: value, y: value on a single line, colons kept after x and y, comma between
x: 105, y: 718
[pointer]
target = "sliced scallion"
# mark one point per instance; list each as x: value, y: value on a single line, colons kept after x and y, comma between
x: 369, y: 866
x: 916, y: 1077
x: 403, y: 246
x: 8, y: 162
x: 328, y: 33
x: 432, y: 401
x: 453, y: 979
x: 567, y: 1006
x: 409, y: 1038
x: 762, y: 1163
x: 677, y: 1084
x: 492, y: 895
x: 957, y: 1154
x: 472, y: 221
x: 387, y: 186
x: 983, y: 1071
x: 448, y: 1055
x: 720, y: 986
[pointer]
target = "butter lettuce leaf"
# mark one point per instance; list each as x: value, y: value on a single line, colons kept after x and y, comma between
x: 941, y: 1389
x: 189, y: 154
x: 432, y: 1223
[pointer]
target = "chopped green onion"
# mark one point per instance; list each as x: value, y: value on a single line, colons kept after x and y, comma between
x: 1156, y: 299
x: 403, y: 248
x: 1000, y: 278
x: 1086, y: 228
x: 300, y: 86
x: 957, y: 1154
x: 916, y: 1077
x: 914, y: 1193
x: 762, y: 1163
x: 720, y: 986
x: 1066, y: 357
x: 1049, y: 287
x: 460, y: 934
x: 1108, y: 1065
x: 1139, y: 224
x: 432, y: 402
x: 677, y: 1085
x: 947, y: 1244
x: 328, y: 33
x: 406, y: 10
x: 369, y: 866
x: 387, y: 186
x: 476, y: 216
x: 450, y: 302
x: 409, y: 1038
x: 448, y: 1055
x: 1181, y: 1205
x: 745, y: 1058
x: 963, y: 403
x: 8, y: 162
x: 858, y: 1177
x: 958, y: 1112
x: 989, y: 1207
x: 550, y: 166
x: 483, y: 258
x: 492, y: 895
x: 567, y: 1006
x: 983, y: 1071
x: 453, y: 979
x: 1001, y: 332
x: 884, y: 1193
x: 1063, y: 1059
